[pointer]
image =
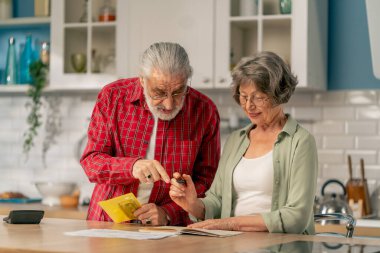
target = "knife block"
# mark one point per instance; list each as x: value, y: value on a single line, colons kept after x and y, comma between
x: 357, y: 189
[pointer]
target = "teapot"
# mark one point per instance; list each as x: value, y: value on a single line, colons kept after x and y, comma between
x: 334, y: 202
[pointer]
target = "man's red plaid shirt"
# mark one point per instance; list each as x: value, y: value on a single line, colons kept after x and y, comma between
x: 119, y: 133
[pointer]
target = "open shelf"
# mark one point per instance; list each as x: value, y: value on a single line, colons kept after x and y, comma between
x: 29, y: 21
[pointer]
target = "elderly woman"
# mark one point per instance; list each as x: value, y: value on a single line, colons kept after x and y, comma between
x: 267, y: 174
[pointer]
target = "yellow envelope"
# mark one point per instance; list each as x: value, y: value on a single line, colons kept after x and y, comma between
x: 121, y: 208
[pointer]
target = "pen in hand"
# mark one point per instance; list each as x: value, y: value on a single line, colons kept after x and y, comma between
x: 181, y: 180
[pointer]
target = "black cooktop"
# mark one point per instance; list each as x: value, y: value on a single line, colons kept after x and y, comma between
x: 319, y: 247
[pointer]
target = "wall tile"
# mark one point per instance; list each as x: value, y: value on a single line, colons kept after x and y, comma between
x: 47, y: 175
x: 335, y: 171
x: 6, y: 123
x: 372, y: 172
x: 9, y: 136
x: 29, y: 189
x: 72, y: 175
x: 307, y: 125
x: 19, y: 101
x: 288, y: 110
x: 81, y: 111
x: 311, y: 114
x: 19, y: 124
x: 368, y: 142
x: 361, y: 97
x: 5, y: 102
x: 361, y: 127
x: 7, y: 186
x: 329, y: 98
x: 338, y: 142
x: 339, y: 113
x: 330, y: 156
x: 329, y: 127
x: 301, y: 99
x: 219, y: 96
x: 86, y: 189
x: 7, y: 159
x: 368, y: 112
x: 74, y: 136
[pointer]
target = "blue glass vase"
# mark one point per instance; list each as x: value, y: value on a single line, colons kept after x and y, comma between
x: 11, y: 65
x: 27, y: 57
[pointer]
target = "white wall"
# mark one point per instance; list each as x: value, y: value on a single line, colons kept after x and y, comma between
x: 343, y: 123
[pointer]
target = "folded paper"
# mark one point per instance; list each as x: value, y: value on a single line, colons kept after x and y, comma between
x: 121, y: 208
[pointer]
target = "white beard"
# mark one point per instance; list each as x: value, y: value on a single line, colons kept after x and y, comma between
x: 155, y: 110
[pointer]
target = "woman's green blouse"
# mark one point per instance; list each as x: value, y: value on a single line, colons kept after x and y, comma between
x: 295, y: 164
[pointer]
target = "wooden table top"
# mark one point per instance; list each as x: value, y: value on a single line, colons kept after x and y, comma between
x: 48, y: 237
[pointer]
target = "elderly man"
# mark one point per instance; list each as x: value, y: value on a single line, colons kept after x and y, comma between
x: 144, y: 129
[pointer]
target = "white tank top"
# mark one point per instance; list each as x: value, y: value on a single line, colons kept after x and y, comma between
x: 253, y: 185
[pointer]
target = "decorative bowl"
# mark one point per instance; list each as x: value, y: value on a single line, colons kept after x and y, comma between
x: 52, y: 191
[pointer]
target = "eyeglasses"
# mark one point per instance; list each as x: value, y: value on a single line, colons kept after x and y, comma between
x: 258, y: 101
x: 176, y: 95
x: 164, y: 96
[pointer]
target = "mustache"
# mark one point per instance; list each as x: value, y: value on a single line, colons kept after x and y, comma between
x: 161, y: 107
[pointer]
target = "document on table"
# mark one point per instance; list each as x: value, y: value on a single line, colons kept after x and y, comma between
x: 191, y: 231
x: 112, y: 233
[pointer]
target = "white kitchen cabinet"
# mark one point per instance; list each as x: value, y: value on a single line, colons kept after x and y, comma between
x: 213, y: 33
x: 216, y: 36
x: 189, y: 23
x: 69, y: 36
x: 299, y: 37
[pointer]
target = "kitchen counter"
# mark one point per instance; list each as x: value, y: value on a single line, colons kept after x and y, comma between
x: 50, y: 211
x: 48, y: 237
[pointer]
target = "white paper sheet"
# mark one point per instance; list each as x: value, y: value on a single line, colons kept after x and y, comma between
x: 112, y: 233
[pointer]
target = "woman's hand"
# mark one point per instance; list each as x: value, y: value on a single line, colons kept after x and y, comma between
x: 221, y: 224
x: 252, y: 223
x: 183, y: 194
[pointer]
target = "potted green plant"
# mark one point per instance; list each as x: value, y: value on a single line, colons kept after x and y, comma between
x: 38, y: 71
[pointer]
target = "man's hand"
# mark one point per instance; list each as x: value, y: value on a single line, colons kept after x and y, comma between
x: 151, y: 214
x: 149, y: 171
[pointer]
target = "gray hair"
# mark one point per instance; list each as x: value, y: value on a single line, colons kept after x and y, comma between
x: 166, y: 57
x: 269, y: 73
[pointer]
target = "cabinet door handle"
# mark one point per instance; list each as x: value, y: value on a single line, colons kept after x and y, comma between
x: 222, y: 80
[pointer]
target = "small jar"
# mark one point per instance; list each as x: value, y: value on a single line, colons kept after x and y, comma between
x: 107, y: 12
x: 45, y: 52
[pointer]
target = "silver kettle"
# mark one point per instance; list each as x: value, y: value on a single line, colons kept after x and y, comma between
x: 333, y: 202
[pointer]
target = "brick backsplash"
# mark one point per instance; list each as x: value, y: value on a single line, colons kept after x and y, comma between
x: 343, y: 123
